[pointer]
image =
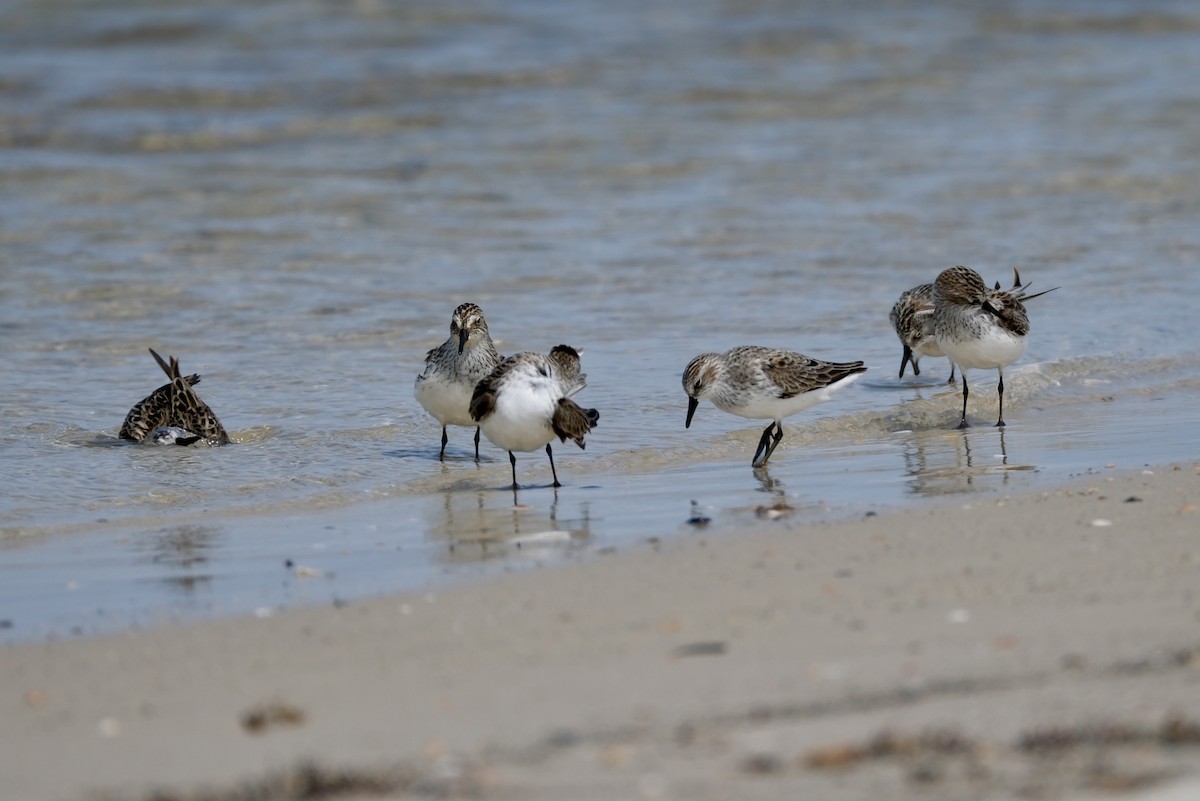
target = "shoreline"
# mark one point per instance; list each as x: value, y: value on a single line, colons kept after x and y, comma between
x: 912, y: 652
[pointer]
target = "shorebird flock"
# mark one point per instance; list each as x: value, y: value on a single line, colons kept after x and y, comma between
x: 522, y: 403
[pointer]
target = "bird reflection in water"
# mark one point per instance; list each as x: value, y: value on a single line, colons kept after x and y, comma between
x: 779, y: 507
x: 475, y: 531
x: 184, y: 551
x: 949, y: 463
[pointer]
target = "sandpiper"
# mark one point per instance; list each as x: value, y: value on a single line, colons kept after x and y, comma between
x: 452, y: 370
x: 526, y: 402
x: 912, y: 317
x: 173, y: 414
x: 764, y: 384
x: 980, y: 327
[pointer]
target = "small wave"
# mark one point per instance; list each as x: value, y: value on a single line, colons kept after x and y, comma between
x: 1080, y: 381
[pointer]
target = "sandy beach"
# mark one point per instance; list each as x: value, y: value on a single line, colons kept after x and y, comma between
x: 293, y: 197
x: 1043, y: 645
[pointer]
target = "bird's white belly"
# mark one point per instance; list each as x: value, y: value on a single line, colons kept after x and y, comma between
x: 448, y: 401
x: 521, y: 419
x: 995, y: 348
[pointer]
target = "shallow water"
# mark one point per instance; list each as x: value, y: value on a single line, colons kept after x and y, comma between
x: 292, y: 197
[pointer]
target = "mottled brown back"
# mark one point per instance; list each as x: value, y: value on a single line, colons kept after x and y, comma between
x: 150, y: 412
x: 796, y: 374
x: 173, y: 404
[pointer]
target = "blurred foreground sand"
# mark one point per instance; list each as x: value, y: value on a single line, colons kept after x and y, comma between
x: 1035, y: 646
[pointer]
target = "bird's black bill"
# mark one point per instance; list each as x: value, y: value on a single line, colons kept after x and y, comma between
x: 692, y: 404
x: 904, y: 362
x: 462, y: 339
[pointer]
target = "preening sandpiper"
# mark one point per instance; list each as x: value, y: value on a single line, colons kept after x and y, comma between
x: 526, y: 402
x: 452, y: 370
x: 764, y: 384
x: 980, y: 327
x: 173, y: 414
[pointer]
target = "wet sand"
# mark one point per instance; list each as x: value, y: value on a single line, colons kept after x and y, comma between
x: 1006, y: 647
x: 293, y: 197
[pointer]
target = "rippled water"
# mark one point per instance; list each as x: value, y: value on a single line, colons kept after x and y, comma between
x: 292, y: 197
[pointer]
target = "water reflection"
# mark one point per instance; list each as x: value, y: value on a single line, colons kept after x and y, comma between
x: 768, y: 484
x: 779, y: 506
x: 476, y: 531
x: 184, y: 551
x: 952, y: 462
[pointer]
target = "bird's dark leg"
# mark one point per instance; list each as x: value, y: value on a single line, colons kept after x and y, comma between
x: 513, y: 461
x: 550, y: 455
x: 445, y: 439
x: 774, y: 443
x: 951, y: 381
x: 1000, y: 392
x: 966, y: 392
x: 477, y: 443
x: 762, y: 444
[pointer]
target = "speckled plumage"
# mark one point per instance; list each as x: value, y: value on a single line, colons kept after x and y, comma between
x: 452, y: 370
x: 173, y: 413
x: 978, y: 326
x: 762, y: 383
x: 912, y: 318
x: 526, y: 402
